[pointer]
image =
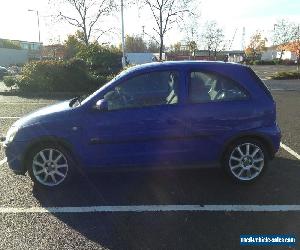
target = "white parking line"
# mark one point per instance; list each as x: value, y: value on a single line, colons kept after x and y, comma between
x: 157, y: 208
x: 289, y: 150
x: 152, y: 208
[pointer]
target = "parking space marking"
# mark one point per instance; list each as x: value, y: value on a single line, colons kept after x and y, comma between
x: 153, y: 208
x: 290, y: 151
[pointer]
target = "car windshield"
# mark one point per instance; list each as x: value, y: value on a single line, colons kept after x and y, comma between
x: 86, y: 98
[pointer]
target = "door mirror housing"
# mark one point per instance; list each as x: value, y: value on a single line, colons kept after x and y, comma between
x: 101, y: 105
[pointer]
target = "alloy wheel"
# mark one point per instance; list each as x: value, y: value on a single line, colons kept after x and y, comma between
x: 50, y: 167
x: 246, y: 161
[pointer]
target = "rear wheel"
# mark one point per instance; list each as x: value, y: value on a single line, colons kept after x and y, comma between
x: 50, y: 166
x: 246, y: 160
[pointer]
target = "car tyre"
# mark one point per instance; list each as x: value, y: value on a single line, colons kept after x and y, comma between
x: 246, y: 160
x: 50, y: 166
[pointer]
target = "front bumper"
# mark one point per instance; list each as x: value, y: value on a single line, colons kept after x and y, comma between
x: 14, y: 152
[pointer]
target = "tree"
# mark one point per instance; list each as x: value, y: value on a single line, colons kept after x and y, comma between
x: 7, y: 44
x: 101, y: 60
x: 135, y: 44
x: 282, y: 34
x: 153, y: 46
x: 176, y: 47
x: 165, y: 14
x: 190, y: 27
x: 192, y: 47
x: 88, y: 15
x: 294, y: 46
x: 213, y: 38
x: 256, y: 46
x: 73, y: 44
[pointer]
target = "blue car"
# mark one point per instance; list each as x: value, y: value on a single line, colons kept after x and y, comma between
x: 158, y: 115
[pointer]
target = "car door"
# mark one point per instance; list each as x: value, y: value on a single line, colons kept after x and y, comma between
x: 217, y: 108
x: 142, y: 125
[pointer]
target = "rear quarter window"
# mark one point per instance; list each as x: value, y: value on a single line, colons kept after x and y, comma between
x: 206, y: 86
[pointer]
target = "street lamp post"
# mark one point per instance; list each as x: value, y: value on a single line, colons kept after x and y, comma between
x: 298, y: 48
x: 38, y: 22
x: 123, y: 39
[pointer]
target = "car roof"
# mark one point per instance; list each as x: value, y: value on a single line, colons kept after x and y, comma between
x: 175, y: 64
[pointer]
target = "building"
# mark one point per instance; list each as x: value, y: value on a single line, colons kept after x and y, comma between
x: 230, y: 56
x: 33, y: 48
x: 272, y: 53
x: 20, y: 52
x: 55, y: 51
x: 36, y: 46
x: 13, y: 57
x: 141, y: 58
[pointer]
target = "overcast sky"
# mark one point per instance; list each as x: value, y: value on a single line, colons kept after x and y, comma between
x: 17, y: 23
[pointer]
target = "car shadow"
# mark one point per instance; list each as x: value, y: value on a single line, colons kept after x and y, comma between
x: 279, y: 185
x: 193, y: 186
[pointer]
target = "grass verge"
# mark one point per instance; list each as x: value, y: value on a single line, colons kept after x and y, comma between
x: 286, y: 75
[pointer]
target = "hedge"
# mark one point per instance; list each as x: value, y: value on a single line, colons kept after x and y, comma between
x: 286, y: 75
x: 271, y: 62
x: 63, y: 76
x: 10, y: 81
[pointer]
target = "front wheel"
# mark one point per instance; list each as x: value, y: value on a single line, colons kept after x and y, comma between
x: 50, y: 166
x: 246, y: 160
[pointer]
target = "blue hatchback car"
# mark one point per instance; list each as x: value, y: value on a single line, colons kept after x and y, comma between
x: 158, y: 115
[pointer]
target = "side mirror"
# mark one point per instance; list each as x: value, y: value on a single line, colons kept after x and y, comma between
x: 101, y: 105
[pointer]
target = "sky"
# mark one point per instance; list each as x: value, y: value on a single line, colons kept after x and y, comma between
x: 16, y: 22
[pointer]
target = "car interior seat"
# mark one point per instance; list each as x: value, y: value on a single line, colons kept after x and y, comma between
x: 197, y: 91
x: 173, y: 95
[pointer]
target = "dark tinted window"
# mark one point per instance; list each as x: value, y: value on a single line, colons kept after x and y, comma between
x: 207, y: 87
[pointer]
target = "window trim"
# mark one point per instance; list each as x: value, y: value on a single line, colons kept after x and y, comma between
x: 126, y: 78
x: 188, y: 101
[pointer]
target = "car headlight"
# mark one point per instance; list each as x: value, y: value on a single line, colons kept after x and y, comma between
x: 11, y: 133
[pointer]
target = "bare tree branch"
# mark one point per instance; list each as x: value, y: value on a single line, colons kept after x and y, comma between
x: 166, y: 13
x: 213, y: 38
x: 103, y: 32
x: 89, y: 14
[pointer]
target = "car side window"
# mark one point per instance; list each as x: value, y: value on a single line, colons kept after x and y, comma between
x: 149, y: 89
x: 210, y: 87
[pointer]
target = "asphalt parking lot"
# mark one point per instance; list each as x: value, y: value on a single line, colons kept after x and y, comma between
x: 170, y: 229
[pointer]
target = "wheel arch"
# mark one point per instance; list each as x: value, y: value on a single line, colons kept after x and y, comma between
x: 267, y: 142
x: 48, y: 139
